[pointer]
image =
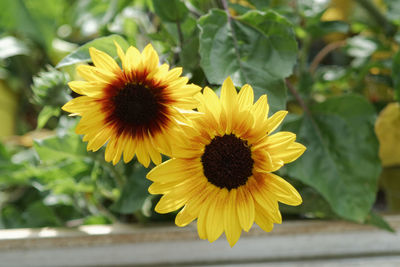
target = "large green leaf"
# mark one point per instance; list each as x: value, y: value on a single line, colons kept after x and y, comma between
x: 134, y: 192
x: 105, y: 44
x: 341, y: 161
x: 172, y: 10
x: 258, y: 48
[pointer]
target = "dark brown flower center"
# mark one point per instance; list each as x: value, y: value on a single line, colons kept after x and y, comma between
x: 136, y: 105
x: 227, y: 162
x: 136, y: 108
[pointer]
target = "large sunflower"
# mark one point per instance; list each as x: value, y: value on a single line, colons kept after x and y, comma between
x: 221, y: 173
x: 135, y: 109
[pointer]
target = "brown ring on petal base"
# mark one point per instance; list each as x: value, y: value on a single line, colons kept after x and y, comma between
x: 136, y: 108
x: 227, y: 161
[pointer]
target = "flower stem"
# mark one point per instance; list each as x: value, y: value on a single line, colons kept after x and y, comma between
x: 180, y: 34
x: 298, y: 97
x: 324, y: 52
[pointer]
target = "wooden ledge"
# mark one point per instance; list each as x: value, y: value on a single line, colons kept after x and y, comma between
x: 128, y: 245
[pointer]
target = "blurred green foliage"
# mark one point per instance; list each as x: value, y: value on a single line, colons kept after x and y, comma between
x: 339, y: 59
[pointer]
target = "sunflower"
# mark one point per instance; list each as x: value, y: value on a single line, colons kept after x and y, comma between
x: 136, y: 109
x: 221, y: 172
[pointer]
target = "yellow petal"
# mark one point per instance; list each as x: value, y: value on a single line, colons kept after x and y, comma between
x: 260, y: 193
x: 203, y: 215
x: 129, y: 150
x: 229, y: 101
x: 104, y: 61
x: 194, y: 205
x: 120, y: 147
x: 150, y: 57
x: 275, y: 120
x: 168, y: 204
x: 243, y: 125
x: 164, y: 188
x: 172, y: 75
x: 179, y: 88
x: 176, y: 87
x: 215, y: 216
x: 92, y: 89
x: 201, y: 223
x: 178, y: 197
x: 90, y: 122
x: 111, y: 149
x: 283, y: 191
x: 80, y: 104
x: 184, y: 217
x: 291, y: 153
x: 154, y: 154
x: 160, y: 74
x: 91, y: 73
x: 172, y: 170
x: 132, y: 60
x: 228, y: 95
x: 142, y: 154
x: 262, y: 218
x: 279, y: 141
x: 260, y: 109
x: 100, y: 139
x: 120, y: 53
x: 162, y: 140
x: 231, y: 220
x: 212, y: 102
x: 263, y: 161
x: 245, y: 208
x: 246, y: 97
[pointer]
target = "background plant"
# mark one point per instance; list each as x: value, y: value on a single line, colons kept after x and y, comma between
x: 333, y: 64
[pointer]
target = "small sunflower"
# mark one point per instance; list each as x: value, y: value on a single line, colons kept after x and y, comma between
x: 136, y: 109
x: 221, y: 172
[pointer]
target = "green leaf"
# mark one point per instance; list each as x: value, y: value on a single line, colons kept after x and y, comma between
x: 260, y: 4
x: 11, y: 217
x: 16, y: 17
x: 45, y: 114
x: 314, y: 205
x: 341, y: 161
x: 258, y: 48
x: 39, y: 215
x: 396, y: 75
x: 12, y: 173
x: 105, y: 44
x: 134, y: 192
x: 172, y: 10
x: 377, y: 220
x: 96, y: 219
x: 58, y: 148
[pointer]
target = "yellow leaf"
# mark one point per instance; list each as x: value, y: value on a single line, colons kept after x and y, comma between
x: 387, y: 129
